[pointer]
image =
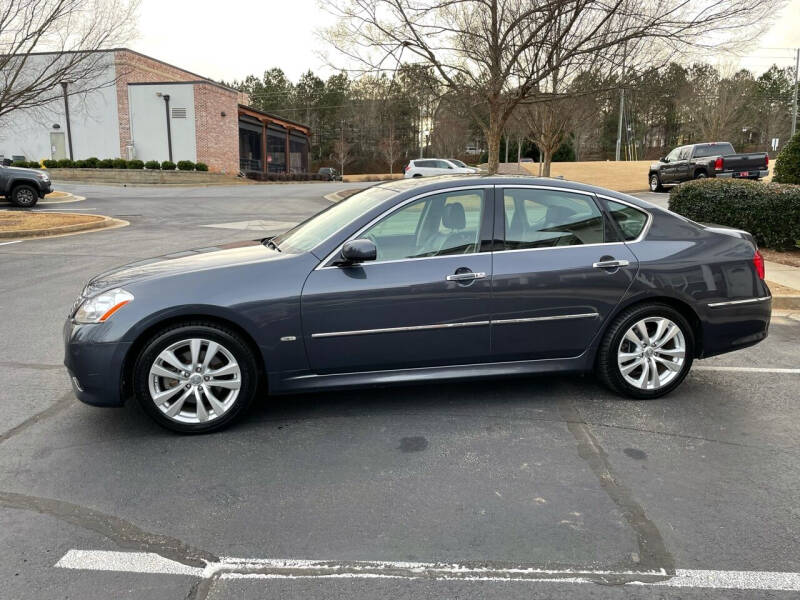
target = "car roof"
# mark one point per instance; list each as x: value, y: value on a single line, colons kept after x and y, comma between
x: 444, y: 182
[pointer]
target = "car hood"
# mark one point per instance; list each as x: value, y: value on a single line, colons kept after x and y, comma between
x: 200, y: 259
x: 21, y: 171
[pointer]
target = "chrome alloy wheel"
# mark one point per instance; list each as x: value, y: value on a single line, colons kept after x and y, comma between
x: 194, y: 381
x: 653, y: 183
x: 652, y: 353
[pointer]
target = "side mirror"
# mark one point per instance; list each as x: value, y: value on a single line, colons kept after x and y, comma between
x: 357, y: 251
x: 663, y: 159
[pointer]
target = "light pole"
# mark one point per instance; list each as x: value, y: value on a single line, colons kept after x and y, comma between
x: 794, y: 101
x: 169, y: 126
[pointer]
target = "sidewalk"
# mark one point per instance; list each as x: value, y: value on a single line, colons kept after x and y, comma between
x: 787, y: 296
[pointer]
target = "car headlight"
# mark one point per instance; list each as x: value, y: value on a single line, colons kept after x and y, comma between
x: 99, y: 308
x: 44, y: 177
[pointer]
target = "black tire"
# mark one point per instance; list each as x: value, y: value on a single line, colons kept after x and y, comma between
x: 230, y: 340
x: 655, y: 183
x: 416, y: 175
x: 25, y: 196
x: 606, y: 365
x: 700, y: 175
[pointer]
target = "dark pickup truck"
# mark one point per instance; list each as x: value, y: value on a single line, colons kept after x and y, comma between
x: 24, y: 187
x: 696, y: 161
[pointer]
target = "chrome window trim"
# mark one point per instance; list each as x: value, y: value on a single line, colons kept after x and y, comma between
x: 590, y: 315
x: 645, y: 229
x: 323, y: 263
x: 329, y: 334
x: 734, y: 302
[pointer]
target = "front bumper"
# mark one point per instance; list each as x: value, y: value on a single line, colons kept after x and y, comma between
x: 95, y: 367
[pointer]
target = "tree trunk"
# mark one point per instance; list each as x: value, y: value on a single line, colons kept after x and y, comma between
x: 493, y: 135
x: 548, y: 156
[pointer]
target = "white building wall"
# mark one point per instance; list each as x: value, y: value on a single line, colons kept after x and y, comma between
x: 149, y: 121
x: 93, y: 118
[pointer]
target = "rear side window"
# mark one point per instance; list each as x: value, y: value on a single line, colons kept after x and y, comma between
x: 630, y: 221
x: 425, y: 164
x: 545, y: 219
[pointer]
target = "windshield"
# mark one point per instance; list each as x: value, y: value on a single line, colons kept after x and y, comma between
x: 457, y: 163
x: 321, y: 226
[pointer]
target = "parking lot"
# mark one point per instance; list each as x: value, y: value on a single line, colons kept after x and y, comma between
x: 546, y: 487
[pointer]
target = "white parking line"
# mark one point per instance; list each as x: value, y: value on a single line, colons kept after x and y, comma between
x: 7, y: 243
x: 747, y: 370
x: 246, y: 568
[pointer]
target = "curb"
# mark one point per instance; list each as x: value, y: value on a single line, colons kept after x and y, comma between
x: 53, y: 231
x: 62, y: 199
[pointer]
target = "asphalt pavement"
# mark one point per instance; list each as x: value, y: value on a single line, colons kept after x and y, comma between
x: 547, y: 487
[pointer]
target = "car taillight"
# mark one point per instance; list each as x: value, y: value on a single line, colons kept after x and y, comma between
x: 408, y: 166
x: 767, y: 159
x: 758, y: 262
x: 718, y: 164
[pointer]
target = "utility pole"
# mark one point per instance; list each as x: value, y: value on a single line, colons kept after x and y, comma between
x: 66, y: 114
x: 619, y: 127
x: 794, y: 102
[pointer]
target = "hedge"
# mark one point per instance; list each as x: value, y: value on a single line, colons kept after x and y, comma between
x: 287, y: 176
x: 770, y: 211
x: 167, y: 165
x: 787, y: 165
x: 152, y: 165
x: 201, y: 166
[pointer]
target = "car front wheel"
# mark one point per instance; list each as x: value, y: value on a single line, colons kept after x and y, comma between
x: 655, y: 183
x: 25, y: 196
x: 646, y: 352
x: 195, y: 377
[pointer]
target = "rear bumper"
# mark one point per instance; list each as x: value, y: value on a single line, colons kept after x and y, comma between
x: 736, y: 324
x: 735, y: 175
x: 95, y: 368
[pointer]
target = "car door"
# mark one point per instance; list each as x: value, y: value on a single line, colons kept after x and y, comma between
x: 423, y: 302
x: 559, y: 274
x: 668, y: 167
x: 682, y: 165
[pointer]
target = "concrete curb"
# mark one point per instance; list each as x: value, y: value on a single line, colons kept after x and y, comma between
x: 103, y: 223
x: 66, y: 199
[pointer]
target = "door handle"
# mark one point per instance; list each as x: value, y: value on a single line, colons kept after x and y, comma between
x: 610, y: 264
x: 466, y: 276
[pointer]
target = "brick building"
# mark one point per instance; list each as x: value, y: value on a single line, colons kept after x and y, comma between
x: 141, y: 107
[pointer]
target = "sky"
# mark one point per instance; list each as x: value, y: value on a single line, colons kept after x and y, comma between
x: 230, y: 39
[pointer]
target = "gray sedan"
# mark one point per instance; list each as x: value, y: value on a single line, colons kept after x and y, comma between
x: 414, y: 280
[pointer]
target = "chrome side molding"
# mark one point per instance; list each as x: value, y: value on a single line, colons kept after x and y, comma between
x: 590, y: 315
x: 734, y: 302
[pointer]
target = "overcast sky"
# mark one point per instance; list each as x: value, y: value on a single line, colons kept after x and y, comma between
x: 230, y: 39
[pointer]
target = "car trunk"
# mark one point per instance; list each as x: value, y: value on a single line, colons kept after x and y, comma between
x: 740, y: 163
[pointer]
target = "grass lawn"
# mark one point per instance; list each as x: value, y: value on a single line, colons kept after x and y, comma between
x: 18, y: 221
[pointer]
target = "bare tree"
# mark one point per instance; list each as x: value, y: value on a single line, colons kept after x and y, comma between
x: 390, y: 147
x: 498, y: 51
x: 74, y: 30
x: 341, y: 153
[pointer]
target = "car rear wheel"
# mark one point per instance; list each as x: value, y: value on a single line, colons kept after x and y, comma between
x: 655, y: 183
x: 416, y: 175
x: 195, y: 378
x: 700, y: 175
x: 25, y: 196
x: 646, y: 352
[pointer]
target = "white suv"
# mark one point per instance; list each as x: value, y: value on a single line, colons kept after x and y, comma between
x: 426, y: 167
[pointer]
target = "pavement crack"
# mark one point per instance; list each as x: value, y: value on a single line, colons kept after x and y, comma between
x: 58, y: 406
x: 653, y: 553
x: 123, y: 533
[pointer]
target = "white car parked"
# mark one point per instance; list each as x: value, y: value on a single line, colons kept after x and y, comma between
x: 427, y: 167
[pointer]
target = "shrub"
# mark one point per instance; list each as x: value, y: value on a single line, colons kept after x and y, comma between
x: 185, y: 165
x: 135, y: 164
x: 153, y: 165
x: 65, y: 163
x: 20, y: 163
x: 79, y: 164
x: 91, y: 162
x: 119, y: 163
x: 770, y: 211
x: 168, y: 165
x: 34, y: 164
x: 106, y: 163
x: 201, y: 166
x: 50, y: 164
x: 787, y: 165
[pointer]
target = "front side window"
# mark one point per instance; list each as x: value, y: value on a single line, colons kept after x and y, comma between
x: 439, y: 225
x: 631, y: 221
x: 672, y: 156
x: 546, y: 219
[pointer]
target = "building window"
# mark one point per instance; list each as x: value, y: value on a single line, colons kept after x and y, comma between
x: 276, y: 152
